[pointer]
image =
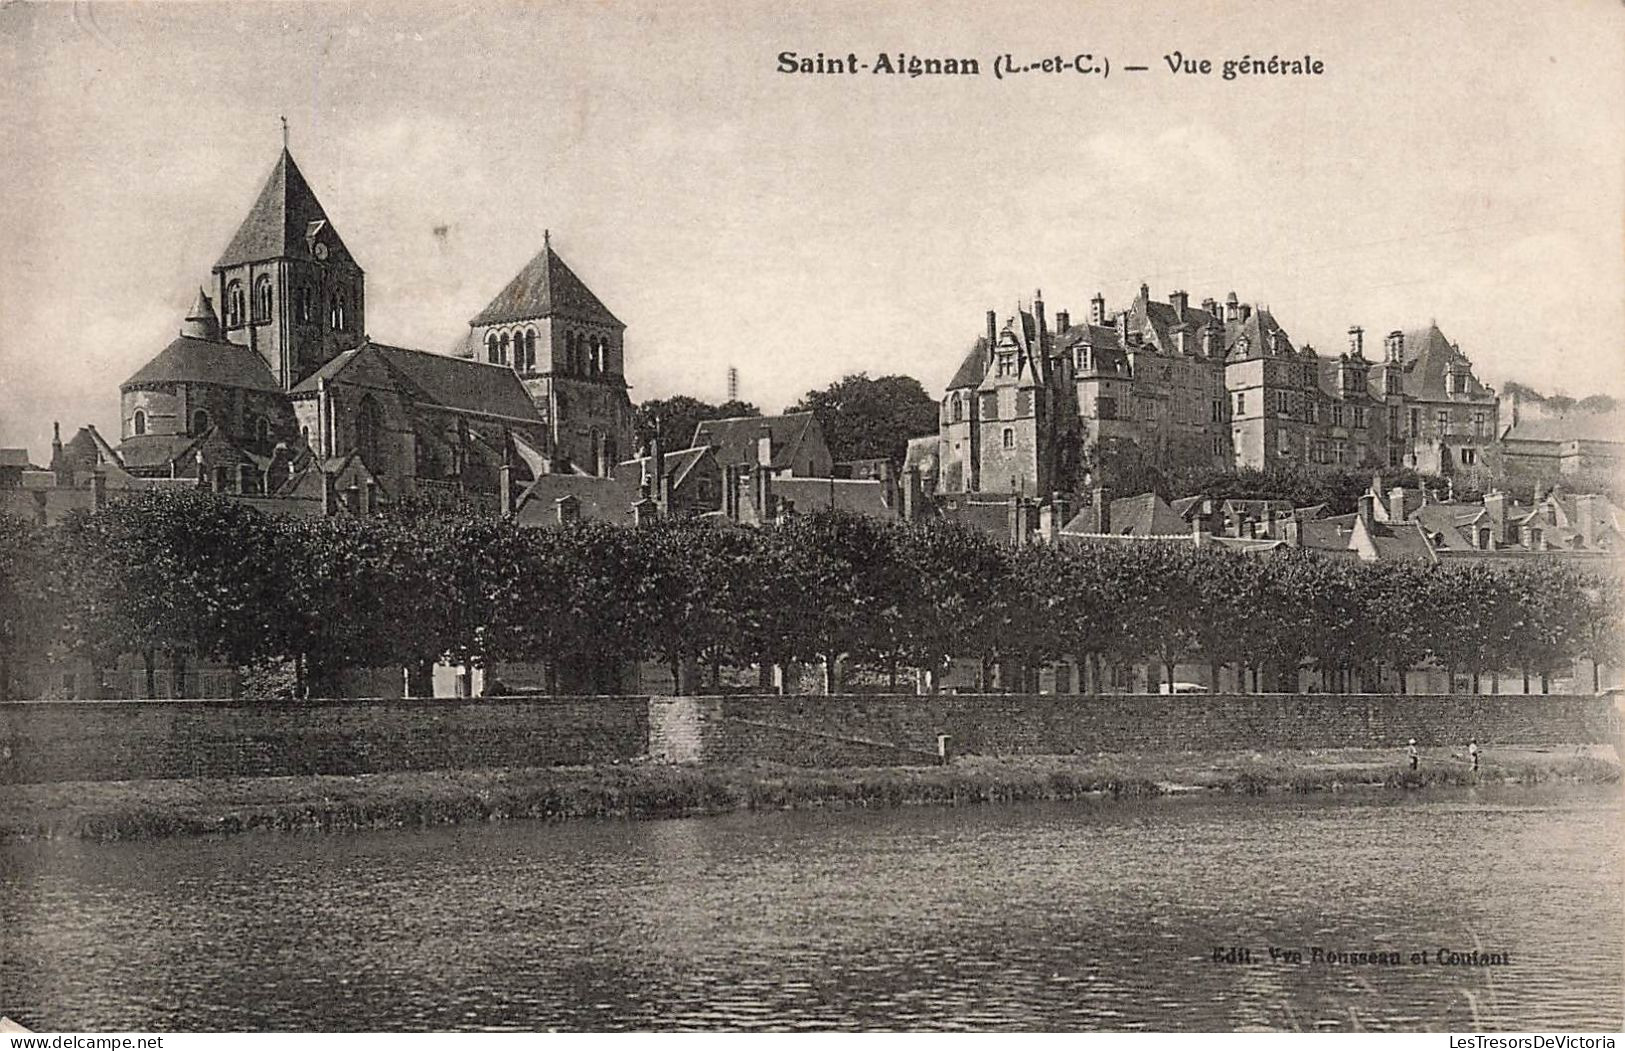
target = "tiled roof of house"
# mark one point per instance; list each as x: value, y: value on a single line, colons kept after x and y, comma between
x: 1145, y: 515
x: 735, y: 438
x: 285, y: 222
x: 862, y: 496
x: 677, y: 465
x: 1586, y: 426
x: 600, y: 499
x: 546, y: 287
x: 188, y: 360
x: 14, y: 458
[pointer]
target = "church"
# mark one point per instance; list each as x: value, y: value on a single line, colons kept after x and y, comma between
x: 273, y: 391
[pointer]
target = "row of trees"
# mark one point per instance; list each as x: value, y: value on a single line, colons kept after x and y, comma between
x: 187, y: 573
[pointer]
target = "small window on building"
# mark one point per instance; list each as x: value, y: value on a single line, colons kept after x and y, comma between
x: 958, y: 409
x: 305, y: 303
x: 1009, y: 438
x: 1469, y: 457
x: 234, y: 304
x: 340, y: 314
x: 1241, y: 403
x: 491, y: 349
x: 262, y: 298
x: 200, y: 421
x: 1442, y: 420
x: 139, y: 423
x: 530, y: 350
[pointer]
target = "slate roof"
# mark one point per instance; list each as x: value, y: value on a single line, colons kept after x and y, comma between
x: 973, y: 368
x: 143, y: 451
x: 1594, y: 427
x: 601, y: 499
x: 188, y: 360
x: 1145, y: 515
x: 864, y: 496
x: 1428, y: 355
x: 735, y: 437
x: 282, y: 221
x: 439, y: 379
x: 15, y: 458
x: 678, y: 465
x: 988, y: 516
x: 546, y: 287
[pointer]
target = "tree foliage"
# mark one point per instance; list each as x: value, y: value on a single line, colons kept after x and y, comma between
x: 864, y: 418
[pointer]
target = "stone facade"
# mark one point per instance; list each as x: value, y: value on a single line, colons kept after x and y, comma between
x: 1037, y: 408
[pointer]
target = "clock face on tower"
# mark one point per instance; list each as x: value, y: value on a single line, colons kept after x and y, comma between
x: 320, y: 250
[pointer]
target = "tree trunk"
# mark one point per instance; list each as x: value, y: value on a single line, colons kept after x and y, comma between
x: 676, y: 664
x: 1475, y: 683
x: 1545, y: 682
x: 148, y: 661
x: 1525, y: 679
x: 831, y: 679
x: 1450, y: 678
x: 891, y: 677
x: 1596, y: 676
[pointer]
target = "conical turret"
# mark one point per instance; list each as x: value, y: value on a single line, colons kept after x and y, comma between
x: 201, y: 321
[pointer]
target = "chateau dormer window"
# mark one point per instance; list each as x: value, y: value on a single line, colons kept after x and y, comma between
x: 1005, y: 364
x: 234, y: 304
x: 262, y: 298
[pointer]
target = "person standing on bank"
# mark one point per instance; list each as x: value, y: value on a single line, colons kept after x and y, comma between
x: 1411, y: 751
x: 1472, y: 754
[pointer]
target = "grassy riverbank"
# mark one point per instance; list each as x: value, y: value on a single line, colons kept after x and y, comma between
x: 140, y: 809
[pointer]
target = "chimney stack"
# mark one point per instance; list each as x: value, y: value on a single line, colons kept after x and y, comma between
x: 764, y: 447
x: 1038, y: 317
x: 1395, y: 346
x: 505, y: 488
x: 1585, y: 509
x: 1179, y: 300
x: 567, y: 508
x: 98, y: 491
x: 1097, y: 310
x: 992, y: 333
x: 1232, y: 309
x: 1397, y: 511
x: 1356, y: 341
x: 913, y: 494
x: 1063, y: 322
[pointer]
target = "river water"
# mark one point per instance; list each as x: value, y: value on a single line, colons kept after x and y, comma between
x: 1068, y: 916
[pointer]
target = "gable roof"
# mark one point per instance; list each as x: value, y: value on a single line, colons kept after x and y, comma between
x: 678, y: 465
x: 734, y: 438
x: 546, y: 287
x: 439, y: 379
x: 1594, y: 427
x: 601, y: 499
x: 283, y: 222
x: 189, y: 360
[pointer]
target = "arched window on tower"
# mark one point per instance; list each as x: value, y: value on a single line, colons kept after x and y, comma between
x: 600, y: 357
x: 959, y: 409
x: 340, y: 313
x: 200, y: 421
x: 502, y: 349
x: 491, y: 348
x: 530, y: 350
x: 139, y: 423
x: 234, y: 304
x: 262, y: 298
x: 305, y: 303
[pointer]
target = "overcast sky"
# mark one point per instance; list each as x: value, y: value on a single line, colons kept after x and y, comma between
x: 1464, y: 162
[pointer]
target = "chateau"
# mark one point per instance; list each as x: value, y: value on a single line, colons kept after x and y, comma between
x: 279, y: 393
x: 1038, y: 406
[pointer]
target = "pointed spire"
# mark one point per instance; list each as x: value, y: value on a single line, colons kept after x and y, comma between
x: 201, y: 322
x: 280, y: 223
